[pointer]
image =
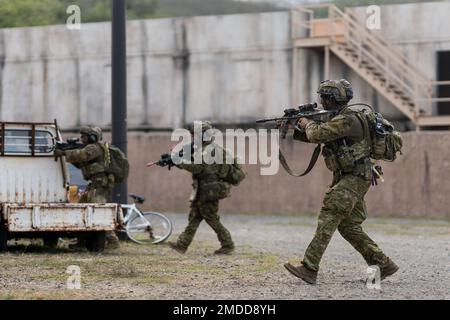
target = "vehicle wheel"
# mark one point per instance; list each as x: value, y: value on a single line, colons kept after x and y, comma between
x: 151, y: 228
x: 51, y: 242
x: 3, y: 238
x: 96, y: 243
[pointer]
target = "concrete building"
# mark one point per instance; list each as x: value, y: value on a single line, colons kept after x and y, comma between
x: 235, y: 69
x: 231, y: 69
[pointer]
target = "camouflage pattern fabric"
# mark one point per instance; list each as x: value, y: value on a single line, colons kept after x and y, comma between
x: 204, y: 174
x: 99, y: 189
x: 353, y: 158
x: 91, y: 161
x: 202, y: 210
x: 204, y: 205
x: 343, y: 208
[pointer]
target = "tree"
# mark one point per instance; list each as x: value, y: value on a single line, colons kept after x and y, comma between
x: 25, y: 13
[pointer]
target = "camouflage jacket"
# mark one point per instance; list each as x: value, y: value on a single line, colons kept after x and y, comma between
x: 90, y: 159
x: 346, y: 142
x: 208, y: 178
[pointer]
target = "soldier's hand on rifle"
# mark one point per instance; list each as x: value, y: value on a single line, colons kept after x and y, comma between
x: 281, y: 123
x: 59, y: 153
x: 302, y: 122
x: 166, y: 159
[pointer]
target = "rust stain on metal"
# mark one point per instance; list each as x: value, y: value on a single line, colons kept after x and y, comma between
x: 60, y: 217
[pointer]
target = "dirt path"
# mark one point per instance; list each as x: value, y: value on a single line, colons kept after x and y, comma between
x: 255, y: 271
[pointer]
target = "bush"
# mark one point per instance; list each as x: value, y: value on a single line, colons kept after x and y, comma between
x: 26, y: 13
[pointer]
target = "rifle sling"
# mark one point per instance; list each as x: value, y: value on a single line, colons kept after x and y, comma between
x: 312, y: 162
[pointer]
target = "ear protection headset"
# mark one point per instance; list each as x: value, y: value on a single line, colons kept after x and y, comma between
x: 92, y: 138
x: 344, y: 89
x: 347, y: 88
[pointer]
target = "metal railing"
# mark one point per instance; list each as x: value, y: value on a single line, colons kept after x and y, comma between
x: 369, y: 49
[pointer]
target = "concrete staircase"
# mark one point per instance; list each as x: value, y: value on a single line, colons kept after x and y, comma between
x: 372, y: 58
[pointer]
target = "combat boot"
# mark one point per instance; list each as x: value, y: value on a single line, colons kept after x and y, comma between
x: 388, y: 269
x: 224, y: 250
x: 177, y: 248
x: 302, y: 272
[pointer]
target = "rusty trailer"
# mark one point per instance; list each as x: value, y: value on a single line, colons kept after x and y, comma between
x: 34, y: 191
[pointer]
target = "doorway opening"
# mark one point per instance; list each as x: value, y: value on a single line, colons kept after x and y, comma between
x: 443, y: 74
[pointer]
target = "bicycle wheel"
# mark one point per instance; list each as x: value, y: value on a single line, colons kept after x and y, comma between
x: 151, y: 228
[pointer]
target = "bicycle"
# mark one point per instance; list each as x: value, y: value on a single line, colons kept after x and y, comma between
x: 145, y: 227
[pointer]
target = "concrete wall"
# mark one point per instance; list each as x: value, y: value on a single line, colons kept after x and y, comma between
x: 230, y: 69
x: 415, y: 183
x: 226, y: 68
x: 418, y: 30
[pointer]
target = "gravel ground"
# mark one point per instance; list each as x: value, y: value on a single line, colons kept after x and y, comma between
x: 255, y: 271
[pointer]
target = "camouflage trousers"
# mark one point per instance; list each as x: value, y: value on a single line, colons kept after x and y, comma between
x: 95, y: 194
x: 100, y: 191
x: 344, y: 209
x: 205, y: 210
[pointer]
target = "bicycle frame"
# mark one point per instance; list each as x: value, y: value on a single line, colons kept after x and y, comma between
x: 137, y: 222
x: 130, y: 209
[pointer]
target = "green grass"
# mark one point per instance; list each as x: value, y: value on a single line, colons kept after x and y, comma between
x: 33, y: 273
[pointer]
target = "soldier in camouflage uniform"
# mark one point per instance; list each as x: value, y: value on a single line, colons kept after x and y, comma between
x: 91, y: 160
x: 346, y: 152
x: 208, y: 189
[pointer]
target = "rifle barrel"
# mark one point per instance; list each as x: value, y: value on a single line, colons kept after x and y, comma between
x: 151, y: 164
x: 268, y: 120
x: 307, y: 114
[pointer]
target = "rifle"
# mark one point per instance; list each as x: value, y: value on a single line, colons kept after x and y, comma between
x: 166, y: 159
x: 290, y: 119
x: 71, y: 144
x: 292, y: 115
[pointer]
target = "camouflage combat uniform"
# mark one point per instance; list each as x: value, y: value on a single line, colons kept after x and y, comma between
x: 208, y: 189
x: 91, y: 161
x: 343, y: 206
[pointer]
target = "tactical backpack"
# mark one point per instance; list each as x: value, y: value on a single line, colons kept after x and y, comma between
x: 235, y: 175
x: 215, y: 190
x: 117, y: 163
x: 385, y: 141
x: 231, y: 173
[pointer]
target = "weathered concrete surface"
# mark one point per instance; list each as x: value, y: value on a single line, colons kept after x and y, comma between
x: 420, y: 33
x: 416, y: 184
x: 230, y: 69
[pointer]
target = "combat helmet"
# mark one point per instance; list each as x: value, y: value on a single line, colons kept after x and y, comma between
x: 341, y: 90
x: 94, y: 133
x: 205, y: 126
